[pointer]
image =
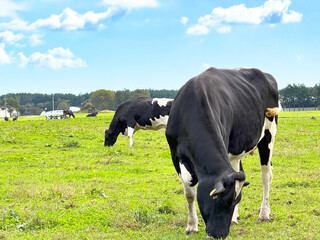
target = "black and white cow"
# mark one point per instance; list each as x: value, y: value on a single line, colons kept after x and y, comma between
x: 217, y: 118
x: 140, y: 113
x: 69, y: 113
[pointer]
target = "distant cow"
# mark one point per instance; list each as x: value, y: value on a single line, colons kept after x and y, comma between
x: 216, y: 119
x: 69, y: 113
x: 140, y: 113
x: 94, y: 114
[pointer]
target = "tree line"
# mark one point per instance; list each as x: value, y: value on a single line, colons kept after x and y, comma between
x: 295, y: 95
x: 298, y: 95
x: 35, y: 103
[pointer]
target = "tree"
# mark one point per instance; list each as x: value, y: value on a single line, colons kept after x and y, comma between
x: 103, y: 99
x: 35, y: 110
x: 140, y: 93
x: 63, y: 106
x: 10, y: 103
x: 122, y: 96
x: 87, y: 106
x: 316, y: 95
x: 22, y: 110
x: 163, y: 93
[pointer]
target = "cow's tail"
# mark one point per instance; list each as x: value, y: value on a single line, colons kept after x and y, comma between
x: 271, y: 112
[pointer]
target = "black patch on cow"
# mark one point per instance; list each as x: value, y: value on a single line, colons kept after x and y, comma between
x: 270, y: 118
x: 264, y: 150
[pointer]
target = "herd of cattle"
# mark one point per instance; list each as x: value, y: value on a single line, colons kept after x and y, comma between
x: 216, y: 119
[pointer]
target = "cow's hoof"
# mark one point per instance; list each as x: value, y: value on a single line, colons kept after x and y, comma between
x: 234, y: 222
x: 191, y: 231
x: 262, y: 220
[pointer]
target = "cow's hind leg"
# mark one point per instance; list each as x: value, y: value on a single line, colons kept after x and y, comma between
x: 188, y: 181
x: 265, y: 147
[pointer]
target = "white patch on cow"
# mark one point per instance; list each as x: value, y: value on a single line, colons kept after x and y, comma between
x: 162, y: 102
x: 129, y: 131
x: 185, y: 175
x: 272, y: 127
x: 237, y: 157
x: 156, y: 124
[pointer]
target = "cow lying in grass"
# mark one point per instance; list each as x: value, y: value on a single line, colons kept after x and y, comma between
x: 94, y: 114
x: 140, y: 113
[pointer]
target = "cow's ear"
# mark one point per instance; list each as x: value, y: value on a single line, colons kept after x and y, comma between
x: 219, y: 188
x: 108, y: 131
x: 246, y: 183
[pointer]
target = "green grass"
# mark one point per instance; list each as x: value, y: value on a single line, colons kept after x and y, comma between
x: 58, y: 181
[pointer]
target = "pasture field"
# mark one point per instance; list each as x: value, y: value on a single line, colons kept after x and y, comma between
x: 58, y: 181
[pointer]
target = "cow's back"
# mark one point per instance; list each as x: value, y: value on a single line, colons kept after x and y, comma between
x: 224, y: 105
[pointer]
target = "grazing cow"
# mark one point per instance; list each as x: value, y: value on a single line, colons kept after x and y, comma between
x: 6, y: 118
x: 217, y: 118
x: 94, y: 114
x: 140, y: 113
x: 15, y: 118
x: 69, y: 113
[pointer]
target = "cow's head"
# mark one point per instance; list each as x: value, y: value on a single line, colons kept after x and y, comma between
x: 110, y: 137
x: 217, y: 200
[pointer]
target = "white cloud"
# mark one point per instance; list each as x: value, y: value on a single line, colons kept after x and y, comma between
x: 8, y: 8
x: 184, y: 20
x: 4, y: 57
x: 61, y: 52
x: 292, y: 17
x: 56, y: 58
x: 10, y: 37
x: 130, y: 4
x: 221, y: 19
x: 198, y: 30
x: 15, y: 25
x: 68, y: 20
x: 35, y: 40
x: 71, y: 20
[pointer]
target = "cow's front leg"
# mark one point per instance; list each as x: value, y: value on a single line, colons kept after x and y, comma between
x: 130, y: 132
x: 265, y: 147
x: 236, y: 165
x: 190, y: 193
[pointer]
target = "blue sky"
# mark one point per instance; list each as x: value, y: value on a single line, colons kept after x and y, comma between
x: 74, y: 46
